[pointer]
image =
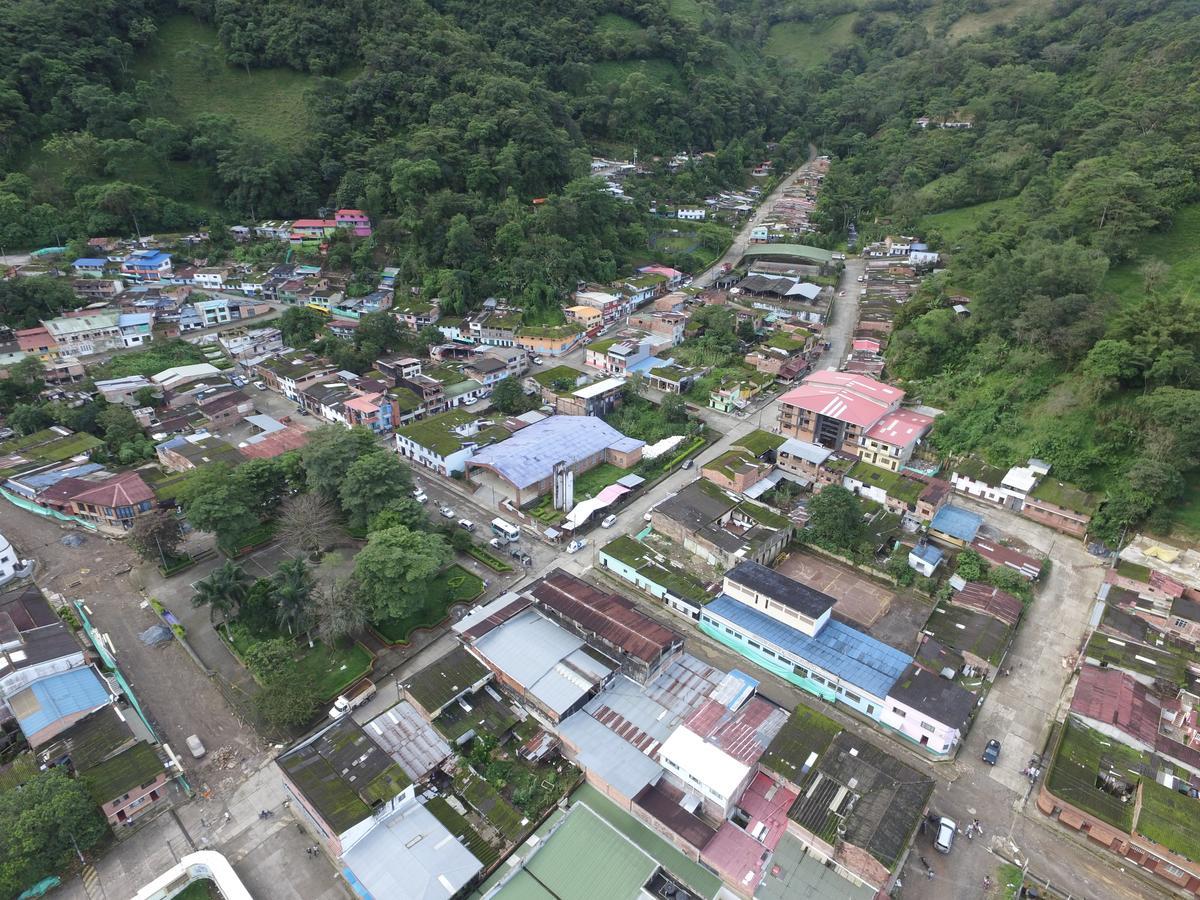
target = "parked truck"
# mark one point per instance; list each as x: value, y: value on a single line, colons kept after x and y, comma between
x: 355, y: 697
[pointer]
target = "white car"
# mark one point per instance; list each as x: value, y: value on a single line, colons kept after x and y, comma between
x: 466, y: 524
x: 261, y: 385
x: 609, y: 522
x: 196, y: 746
x: 419, y: 495
x: 577, y: 545
x: 945, y: 835
x: 446, y: 512
x: 537, y: 360
x: 470, y: 401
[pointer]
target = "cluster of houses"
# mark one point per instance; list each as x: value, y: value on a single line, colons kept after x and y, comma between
x: 73, y: 716
x: 1136, y: 701
x: 707, y: 785
x: 790, y: 216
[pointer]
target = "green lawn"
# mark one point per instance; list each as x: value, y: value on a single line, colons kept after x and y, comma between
x: 333, y: 669
x: 656, y: 69
x: 810, y: 43
x: 454, y: 585
x: 952, y: 223
x: 1176, y: 247
x: 1082, y: 755
x: 199, y: 890
x: 1185, y: 515
x: 1170, y: 818
x: 593, y: 481
x: 266, y: 102
x: 614, y: 23
x: 999, y: 14
x: 688, y: 10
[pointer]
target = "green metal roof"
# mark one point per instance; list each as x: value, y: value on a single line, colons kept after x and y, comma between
x: 791, y: 251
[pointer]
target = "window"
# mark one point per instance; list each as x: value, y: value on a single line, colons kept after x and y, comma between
x: 1181, y: 623
x: 800, y: 671
x: 898, y: 711
x: 928, y: 727
x: 768, y: 652
x: 755, y: 645
x: 853, y: 698
x: 817, y: 678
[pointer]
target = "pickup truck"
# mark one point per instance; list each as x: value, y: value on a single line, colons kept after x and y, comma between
x: 355, y: 697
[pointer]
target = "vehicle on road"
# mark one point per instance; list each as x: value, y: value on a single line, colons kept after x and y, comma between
x: 687, y: 464
x: 496, y: 544
x: 419, y: 495
x: 576, y: 545
x: 991, y: 752
x: 470, y: 401
x: 196, y: 746
x: 609, y: 521
x: 261, y: 385
x: 537, y: 360
x: 446, y: 511
x: 522, y: 557
x: 945, y: 835
x: 466, y: 524
x: 353, y: 698
x: 505, y: 531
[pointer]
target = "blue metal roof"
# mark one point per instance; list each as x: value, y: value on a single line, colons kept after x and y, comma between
x: 57, y: 696
x: 957, y: 522
x: 90, y: 261
x: 928, y: 553
x: 856, y: 658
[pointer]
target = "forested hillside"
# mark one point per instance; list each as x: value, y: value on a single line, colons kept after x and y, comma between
x: 1081, y: 344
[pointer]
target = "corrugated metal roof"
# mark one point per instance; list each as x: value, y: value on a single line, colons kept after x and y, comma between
x: 529, y: 455
x: 854, y: 657
x: 55, y: 697
x: 957, y: 522
x: 608, y: 756
x: 411, y: 856
x: 545, y: 659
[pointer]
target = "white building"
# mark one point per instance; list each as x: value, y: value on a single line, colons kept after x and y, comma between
x: 212, y: 278
x: 692, y: 215
x: 10, y: 564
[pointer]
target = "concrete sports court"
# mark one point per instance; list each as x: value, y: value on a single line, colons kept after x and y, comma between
x: 857, y: 597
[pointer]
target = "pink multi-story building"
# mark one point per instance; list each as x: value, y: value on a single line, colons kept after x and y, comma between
x: 354, y: 218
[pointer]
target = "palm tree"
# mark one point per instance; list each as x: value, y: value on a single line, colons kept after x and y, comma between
x: 293, y: 588
x: 224, y: 590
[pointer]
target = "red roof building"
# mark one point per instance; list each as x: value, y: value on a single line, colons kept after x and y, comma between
x: 991, y: 601
x: 1115, y: 704
x: 836, y: 409
x: 999, y: 555
x: 114, y: 503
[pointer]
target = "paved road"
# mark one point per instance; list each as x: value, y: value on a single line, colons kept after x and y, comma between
x: 741, y: 240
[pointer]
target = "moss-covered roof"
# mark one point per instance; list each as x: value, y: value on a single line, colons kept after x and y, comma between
x: 444, y: 679
x: 759, y: 442
x: 896, y: 485
x: 343, y: 774
x: 437, y: 433
x: 1065, y: 496
x: 549, y: 376
x: 659, y: 569
x: 732, y: 462
x: 124, y: 772
x: 603, y: 345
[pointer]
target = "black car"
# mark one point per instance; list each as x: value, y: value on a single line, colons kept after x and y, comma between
x: 991, y: 752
